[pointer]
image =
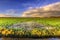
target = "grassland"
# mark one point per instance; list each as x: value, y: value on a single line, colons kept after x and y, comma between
x: 46, y: 21
x: 35, y: 32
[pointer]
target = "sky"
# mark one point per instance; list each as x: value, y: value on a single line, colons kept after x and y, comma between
x: 17, y: 7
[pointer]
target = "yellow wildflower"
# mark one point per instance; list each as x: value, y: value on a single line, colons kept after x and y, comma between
x: 58, y: 33
x: 36, y: 32
x: 3, y: 32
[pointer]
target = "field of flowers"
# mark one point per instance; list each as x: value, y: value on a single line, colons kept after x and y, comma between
x: 36, y: 32
x: 29, y: 27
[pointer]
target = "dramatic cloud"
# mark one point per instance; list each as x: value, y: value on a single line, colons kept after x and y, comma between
x: 45, y: 11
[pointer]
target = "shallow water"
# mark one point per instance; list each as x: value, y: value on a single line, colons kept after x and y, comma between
x: 29, y: 39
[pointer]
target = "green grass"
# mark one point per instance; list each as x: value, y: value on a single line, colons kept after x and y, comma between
x: 53, y: 22
x: 46, y: 21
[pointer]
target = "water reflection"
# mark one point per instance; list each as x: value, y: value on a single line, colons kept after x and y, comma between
x: 29, y: 39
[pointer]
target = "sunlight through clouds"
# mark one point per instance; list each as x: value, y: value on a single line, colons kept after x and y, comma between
x: 45, y: 11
